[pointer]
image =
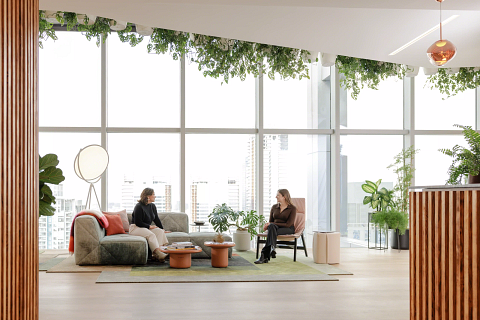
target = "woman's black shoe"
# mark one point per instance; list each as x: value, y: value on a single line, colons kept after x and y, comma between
x: 261, y: 260
x: 273, y: 254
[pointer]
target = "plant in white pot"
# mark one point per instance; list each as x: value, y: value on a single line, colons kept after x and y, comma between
x: 223, y: 217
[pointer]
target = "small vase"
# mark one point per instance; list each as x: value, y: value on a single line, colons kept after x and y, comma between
x: 473, y: 179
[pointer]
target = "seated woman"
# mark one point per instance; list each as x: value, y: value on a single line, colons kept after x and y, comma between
x: 143, y: 214
x: 282, y: 217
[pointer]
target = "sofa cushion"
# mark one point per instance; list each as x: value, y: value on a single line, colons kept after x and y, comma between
x: 123, y: 249
x: 123, y: 216
x: 115, y: 225
x: 177, y: 237
x: 171, y: 221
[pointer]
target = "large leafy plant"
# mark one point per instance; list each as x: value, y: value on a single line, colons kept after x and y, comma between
x: 465, y: 161
x: 49, y: 174
x: 379, y: 199
x: 223, y: 217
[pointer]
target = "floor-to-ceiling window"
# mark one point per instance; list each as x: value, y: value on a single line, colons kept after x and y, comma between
x: 200, y: 143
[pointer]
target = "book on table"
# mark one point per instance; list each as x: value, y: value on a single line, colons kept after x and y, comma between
x: 181, y: 246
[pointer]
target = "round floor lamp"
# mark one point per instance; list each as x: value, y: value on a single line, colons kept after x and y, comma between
x: 90, y: 163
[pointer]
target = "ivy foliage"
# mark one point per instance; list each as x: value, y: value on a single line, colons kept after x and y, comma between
x: 127, y: 35
x: 452, y: 84
x: 360, y: 73
x: 45, y: 30
x: 465, y: 161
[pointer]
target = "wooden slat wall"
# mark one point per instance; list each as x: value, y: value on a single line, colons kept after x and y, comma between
x: 444, y: 266
x: 19, y: 159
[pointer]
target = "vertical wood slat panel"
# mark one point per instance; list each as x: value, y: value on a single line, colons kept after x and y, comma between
x: 428, y: 271
x: 444, y: 266
x: 19, y: 159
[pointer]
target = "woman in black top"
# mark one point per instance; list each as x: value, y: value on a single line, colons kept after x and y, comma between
x: 143, y: 214
x: 282, y: 218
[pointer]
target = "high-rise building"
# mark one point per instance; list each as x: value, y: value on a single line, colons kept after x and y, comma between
x: 234, y: 195
x: 131, y: 190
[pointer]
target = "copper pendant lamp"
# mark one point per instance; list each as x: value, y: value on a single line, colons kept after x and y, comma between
x: 442, y: 50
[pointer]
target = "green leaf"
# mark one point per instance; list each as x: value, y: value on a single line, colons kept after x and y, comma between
x: 368, y: 189
x: 378, y: 182
x: 367, y: 199
x: 375, y: 204
x: 48, y: 160
x: 46, y: 209
x: 52, y: 175
x: 371, y: 184
x: 383, y: 191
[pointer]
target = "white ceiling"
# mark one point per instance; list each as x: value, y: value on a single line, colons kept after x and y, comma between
x: 358, y: 28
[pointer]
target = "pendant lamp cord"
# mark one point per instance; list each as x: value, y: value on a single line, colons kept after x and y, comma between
x: 441, y: 20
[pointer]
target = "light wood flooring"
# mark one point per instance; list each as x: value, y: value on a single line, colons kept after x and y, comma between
x: 379, y: 289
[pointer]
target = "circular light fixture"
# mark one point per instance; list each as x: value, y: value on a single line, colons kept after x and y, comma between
x: 91, y: 162
x: 441, y: 52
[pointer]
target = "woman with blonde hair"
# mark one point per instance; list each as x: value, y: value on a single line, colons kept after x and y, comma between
x: 144, y: 213
x: 282, y: 218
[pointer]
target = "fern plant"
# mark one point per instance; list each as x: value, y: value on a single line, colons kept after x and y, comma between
x: 465, y: 161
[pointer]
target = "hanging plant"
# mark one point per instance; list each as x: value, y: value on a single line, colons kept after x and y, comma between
x: 71, y: 19
x: 288, y: 62
x: 127, y: 35
x: 452, y: 84
x: 163, y: 40
x: 100, y: 28
x: 45, y: 30
x: 360, y: 73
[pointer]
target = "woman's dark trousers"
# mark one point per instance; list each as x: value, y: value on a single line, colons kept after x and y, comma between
x: 273, y: 232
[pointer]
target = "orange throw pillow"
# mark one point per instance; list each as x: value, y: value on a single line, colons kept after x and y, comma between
x: 115, y: 225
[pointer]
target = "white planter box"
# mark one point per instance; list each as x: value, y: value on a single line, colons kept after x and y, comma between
x: 327, y: 59
x: 412, y: 71
x: 313, y: 56
x: 144, y: 30
x: 242, y: 240
x: 121, y: 25
x: 51, y: 16
x: 430, y: 71
x: 81, y: 19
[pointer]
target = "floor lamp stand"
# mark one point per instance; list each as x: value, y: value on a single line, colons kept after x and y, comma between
x: 89, y: 197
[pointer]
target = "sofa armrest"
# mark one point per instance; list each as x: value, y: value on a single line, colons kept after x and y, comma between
x: 87, y: 236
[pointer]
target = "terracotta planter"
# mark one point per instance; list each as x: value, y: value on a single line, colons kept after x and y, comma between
x: 473, y: 179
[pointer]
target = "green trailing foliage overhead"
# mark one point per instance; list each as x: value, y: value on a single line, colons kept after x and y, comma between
x: 452, y: 84
x: 229, y: 58
x: 466, y: 161
x: 48, y: 174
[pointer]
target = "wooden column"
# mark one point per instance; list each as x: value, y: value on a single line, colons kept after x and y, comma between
x: 19, y: 159
x: 444, y: 266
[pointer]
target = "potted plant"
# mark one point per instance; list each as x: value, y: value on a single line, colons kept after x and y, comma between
x: 223, y: 217
x: 379, y: 200
x: 466, y: 161
x: 404, y: 170
x: 246, y: 223
x: 49, y: 173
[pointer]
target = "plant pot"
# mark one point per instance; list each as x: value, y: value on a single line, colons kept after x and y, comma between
x: 51, y: 16
x: 313, y: 56
x: 118, y: 25
x: 412, y: 71
x: 242, y: 240
x: 82, y: 19
x: 327, y: 59
x: 144, y: 30
x: 473, y: 179
x: 430, y: 71
x: 404, y: 240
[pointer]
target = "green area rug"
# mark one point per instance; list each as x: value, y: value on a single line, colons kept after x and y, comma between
x: 241, y: 268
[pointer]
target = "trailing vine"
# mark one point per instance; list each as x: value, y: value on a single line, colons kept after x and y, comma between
x: 362, y: 72
x: 228, y: 58
x: 452, y: 84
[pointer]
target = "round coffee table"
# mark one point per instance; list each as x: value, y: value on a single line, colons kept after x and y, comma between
x: 219, y: 253
x: 180, y: 258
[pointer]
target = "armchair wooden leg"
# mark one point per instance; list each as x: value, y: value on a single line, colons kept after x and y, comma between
x: 295, y: 251
x: 258, y: 245
x: 304, y: 246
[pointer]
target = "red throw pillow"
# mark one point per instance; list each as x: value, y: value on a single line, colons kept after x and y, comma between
x: 115, y: 225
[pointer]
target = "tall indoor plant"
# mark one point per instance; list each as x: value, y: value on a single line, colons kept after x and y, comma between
x: 466, y: 161
x: 49, y: 174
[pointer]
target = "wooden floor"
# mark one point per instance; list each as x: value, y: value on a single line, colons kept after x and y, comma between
x: 379, y: 289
